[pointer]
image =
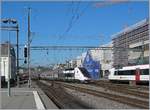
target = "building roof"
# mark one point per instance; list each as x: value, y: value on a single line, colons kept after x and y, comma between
x: 109, y: 44
x: 130, y: 28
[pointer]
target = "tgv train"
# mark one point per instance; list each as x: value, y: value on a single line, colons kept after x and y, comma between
x: 78, y: 73
x: 138, y: 73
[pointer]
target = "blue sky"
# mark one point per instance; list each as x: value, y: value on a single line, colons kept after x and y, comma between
x: 50, y: 20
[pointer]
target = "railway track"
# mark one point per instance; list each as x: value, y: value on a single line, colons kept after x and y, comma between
x: 61, y: 98
x: 123, y: 85
x: 144, y: 104
x: 123, y: 89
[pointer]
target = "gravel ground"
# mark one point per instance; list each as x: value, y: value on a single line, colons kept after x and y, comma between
x: 109, y: 91
x: 99, y: 102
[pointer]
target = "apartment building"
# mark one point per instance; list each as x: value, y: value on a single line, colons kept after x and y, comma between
x: 131, y: 45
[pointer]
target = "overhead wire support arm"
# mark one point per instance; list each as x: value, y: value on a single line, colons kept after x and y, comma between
x: 80, y: 47
x: 68, y: 47
x: 9, y: 28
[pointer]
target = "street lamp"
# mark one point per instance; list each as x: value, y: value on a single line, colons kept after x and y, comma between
x: 11, y: 21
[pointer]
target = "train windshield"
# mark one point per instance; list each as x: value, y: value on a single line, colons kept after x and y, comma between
x: 69, y: 69
x: 85, y: 72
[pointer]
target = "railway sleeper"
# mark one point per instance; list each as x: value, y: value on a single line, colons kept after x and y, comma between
x: 122, y: 99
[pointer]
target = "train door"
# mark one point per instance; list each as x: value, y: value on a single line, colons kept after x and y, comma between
x: 137, y: 74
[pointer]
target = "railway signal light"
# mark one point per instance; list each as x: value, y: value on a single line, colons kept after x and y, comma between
x: 25, y: 51
x: 25, y: 61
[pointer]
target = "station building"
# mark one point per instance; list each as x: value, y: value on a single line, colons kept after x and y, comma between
x: 131, y: 45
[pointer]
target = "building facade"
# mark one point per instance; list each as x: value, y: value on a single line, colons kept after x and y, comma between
x: 103, y: 56
x: 80, y: 59
x: 131, y: 45
x: 72, y: 63
x: 139, y: 53
x: 92, y: 66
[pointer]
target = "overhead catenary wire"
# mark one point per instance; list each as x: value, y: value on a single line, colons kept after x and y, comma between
x: 81, y: 47
x: 76, y: 14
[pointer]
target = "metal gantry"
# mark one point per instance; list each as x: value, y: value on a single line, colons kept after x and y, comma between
x: 80, y: 48
x: 69, y: 47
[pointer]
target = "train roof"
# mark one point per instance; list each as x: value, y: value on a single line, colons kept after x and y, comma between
x: 136, y: 66
x: 145, y: 66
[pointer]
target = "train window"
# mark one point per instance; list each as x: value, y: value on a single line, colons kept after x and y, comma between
x: 145, y: 72
x: 69, y: 69
x: 116, y: 73
x: 68, y: 75
x: 131, y: 72
x: 121, y: 72
x: 127, y: 72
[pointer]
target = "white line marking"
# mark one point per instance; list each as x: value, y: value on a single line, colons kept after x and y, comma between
x: 38, y: 101
x: 15, y: 91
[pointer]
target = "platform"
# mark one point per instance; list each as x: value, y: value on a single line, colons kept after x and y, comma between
x: 25, y: 98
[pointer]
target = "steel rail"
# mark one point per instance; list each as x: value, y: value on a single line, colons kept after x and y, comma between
x: 123, y: 85
x: 122, y: 89
x: 61, y: 98
x: 50, y: 95
x: 123, y: 99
